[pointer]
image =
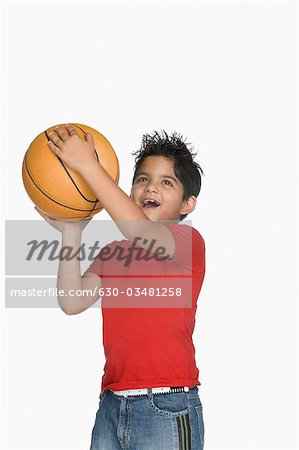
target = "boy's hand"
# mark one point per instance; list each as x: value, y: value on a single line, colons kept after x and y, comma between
x: 65, y: 226
x: 75, y: 152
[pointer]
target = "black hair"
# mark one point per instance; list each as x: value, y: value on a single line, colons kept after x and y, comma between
x: 175, y: 148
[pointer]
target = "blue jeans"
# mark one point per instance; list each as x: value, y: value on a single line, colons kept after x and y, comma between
x: 168, y: 421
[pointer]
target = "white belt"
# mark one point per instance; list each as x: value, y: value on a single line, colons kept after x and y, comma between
x: 157, y: 390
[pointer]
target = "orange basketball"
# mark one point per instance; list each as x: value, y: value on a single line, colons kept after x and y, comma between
x: 57, y: 190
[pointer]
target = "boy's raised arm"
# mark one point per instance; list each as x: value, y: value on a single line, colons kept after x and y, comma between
x: 78, y: 154
x: 76, y: 293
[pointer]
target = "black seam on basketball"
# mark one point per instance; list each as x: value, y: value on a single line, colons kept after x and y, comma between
x: 91, y: 210
x: 50, y: 198
x: 69, y: 175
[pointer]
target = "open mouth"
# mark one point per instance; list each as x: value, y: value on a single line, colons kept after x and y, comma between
x: 149, y: 203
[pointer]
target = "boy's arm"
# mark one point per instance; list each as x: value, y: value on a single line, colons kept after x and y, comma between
x: 79, y: 292
x: 130, y: 219
x: 75, y: 293
x: 78, y: 154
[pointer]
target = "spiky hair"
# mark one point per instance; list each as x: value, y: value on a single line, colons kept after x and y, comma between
x: 174, y: 147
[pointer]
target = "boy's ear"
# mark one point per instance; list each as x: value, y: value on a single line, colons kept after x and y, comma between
x: 188, y: 205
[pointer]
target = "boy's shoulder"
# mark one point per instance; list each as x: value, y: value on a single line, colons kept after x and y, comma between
x: 186, y: 230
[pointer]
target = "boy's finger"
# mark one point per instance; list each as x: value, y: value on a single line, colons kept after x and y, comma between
x: 89, y: 137
x: 62, y: 133
x: 71, y: 129
x: 41, y: 213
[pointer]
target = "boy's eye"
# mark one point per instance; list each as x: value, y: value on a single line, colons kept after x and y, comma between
x: 144, y: 178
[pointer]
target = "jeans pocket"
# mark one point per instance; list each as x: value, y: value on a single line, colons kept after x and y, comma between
x: 200, y: 421
x: 171, y: 404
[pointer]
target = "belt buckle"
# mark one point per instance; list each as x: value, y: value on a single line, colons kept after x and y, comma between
x: 179, y: 389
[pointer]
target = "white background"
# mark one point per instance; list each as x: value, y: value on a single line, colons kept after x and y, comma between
x: 224, y: 75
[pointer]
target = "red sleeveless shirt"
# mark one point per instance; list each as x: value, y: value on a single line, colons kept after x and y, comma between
x: 147, y: 334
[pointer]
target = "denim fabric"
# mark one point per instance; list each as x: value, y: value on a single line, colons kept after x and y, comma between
x: 168, y: 421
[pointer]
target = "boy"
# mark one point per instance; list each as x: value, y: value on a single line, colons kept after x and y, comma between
x: 149, y: 396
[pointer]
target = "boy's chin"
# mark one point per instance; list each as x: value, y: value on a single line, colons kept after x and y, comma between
x: 151, y: 213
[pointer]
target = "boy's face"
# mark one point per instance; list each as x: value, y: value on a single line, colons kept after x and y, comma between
x: 156, y: 180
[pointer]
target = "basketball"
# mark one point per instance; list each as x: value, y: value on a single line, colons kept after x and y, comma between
x: 60, y: 192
